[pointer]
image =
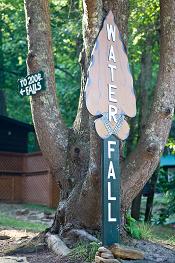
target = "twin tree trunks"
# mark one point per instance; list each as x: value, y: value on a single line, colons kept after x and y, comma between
x: 109, y: 97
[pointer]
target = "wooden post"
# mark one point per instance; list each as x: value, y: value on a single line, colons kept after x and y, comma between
x: 109, y: 97
x: 110, y: 191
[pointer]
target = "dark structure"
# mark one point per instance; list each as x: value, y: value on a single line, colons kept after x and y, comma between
x: 14, y: 135
x: 24, y: 175
x: 167, y: 162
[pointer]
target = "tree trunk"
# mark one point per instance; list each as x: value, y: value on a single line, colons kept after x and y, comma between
x: 142, y: 162
x: 145, y: 77
x: 3, y: 110
x: 74, y: 154
x: 150, y: 198
x: 135, y: 208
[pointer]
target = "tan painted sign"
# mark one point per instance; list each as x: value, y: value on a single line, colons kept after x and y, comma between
x: 109, y: 88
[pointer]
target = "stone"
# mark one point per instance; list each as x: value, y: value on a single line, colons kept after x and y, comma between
x: 4, y: 237
x: 47, y: 213
x: 125, y: 252
x: 99, y: 259
x: 104, y: 250
x: 57, y: 245
x: 107, y: 255
x: 22, y: 212
x: 104, y: 253
x: 45, y: 220
x: 13, y: 259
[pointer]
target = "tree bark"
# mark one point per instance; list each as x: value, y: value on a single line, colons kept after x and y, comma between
x: 135, y: 208
x: 51, y: 132
x: 3, y: 108
x: 144, y: 108
x: 142, y: 162
x: 150, y: 198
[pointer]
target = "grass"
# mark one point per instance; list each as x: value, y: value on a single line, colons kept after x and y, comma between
x: 6, y: 221
x: 85, y: 251
x: 157, y: 233
x: 41, y: 208
x: 163, y: 234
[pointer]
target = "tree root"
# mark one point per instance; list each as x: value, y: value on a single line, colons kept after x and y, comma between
x: 81, y: 235
x: 57, y: 245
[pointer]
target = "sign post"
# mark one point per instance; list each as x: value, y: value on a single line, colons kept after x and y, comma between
x: 110, y: 96
x: 110, y: 191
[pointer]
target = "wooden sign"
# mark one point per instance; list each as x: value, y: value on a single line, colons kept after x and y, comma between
x: 109, y: 88
x: 109, y: 97
x: 31, y: 84
x: 110, y: 191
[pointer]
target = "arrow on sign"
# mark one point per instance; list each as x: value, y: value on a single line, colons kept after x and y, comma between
x: 22, y: 91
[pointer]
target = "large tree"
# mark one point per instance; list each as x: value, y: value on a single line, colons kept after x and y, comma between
x: 74, y: 154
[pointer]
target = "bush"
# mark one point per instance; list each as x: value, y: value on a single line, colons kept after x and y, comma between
x: 138, y: 230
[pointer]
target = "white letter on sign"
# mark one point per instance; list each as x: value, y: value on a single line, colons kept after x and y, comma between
x: 110, y: 149
x: 111, y: 172
x: 110, y: 219
x: 112, y: 67
x: 111, y: 54
x: 112, y: 93
x: 110, y: 198
x: 111, y: 32
x: 112, y: 112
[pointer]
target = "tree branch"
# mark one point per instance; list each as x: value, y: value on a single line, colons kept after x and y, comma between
x: 51, y: 131
x: 141, y: 164
x: 65, y: 71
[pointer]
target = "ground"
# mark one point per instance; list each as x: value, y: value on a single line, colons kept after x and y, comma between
x: 36, y: 218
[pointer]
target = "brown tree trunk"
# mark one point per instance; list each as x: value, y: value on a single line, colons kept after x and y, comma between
x: 135, y: 208
x: 74, y: 154
x: 3, y: 110
x: 144, y: 107
x: 142, y: 162
x: 150, y: 198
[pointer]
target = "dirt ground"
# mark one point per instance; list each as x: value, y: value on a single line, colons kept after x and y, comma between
x: 11, y: 238
x: 153, y: 252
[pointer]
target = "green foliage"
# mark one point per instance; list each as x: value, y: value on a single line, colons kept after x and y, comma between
x: 171, y: 145
x: 156, y: 233
x: 84, y: 251
x: 14, y: 49
x: 67, y: 43
x: 132, y: 227
x: 66, y: 21
x: 144, y: 27
x: 138, y: 230
x: 166, y: 186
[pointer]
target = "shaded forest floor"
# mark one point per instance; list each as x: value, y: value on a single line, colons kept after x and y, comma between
x: 20, y: 223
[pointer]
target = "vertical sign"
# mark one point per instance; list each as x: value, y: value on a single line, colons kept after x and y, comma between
x: 110, y: 191
x: 110, y: 96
